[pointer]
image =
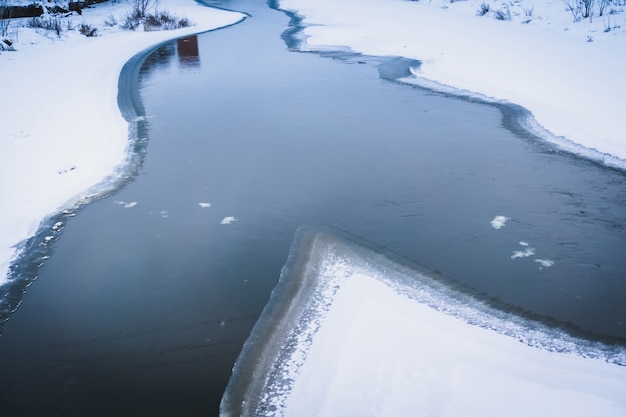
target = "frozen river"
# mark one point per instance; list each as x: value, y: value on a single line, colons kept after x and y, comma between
x: 149, y: 295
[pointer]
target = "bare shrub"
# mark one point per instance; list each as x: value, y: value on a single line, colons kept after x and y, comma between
x: 602, y: 6
x: 582, y: 9
x: 131, y: 21
x: 587, y: 7
x: 503, y: 14
x: 140, y: 8
x: 51, y: 23
x: 110, y: 21
x: 162, y: 20
x: 88, y: 30
x: 528, y: 11
x: 483, y: 9
x: 5, y: 17
x: 608, y: 27
x: 159, y: 20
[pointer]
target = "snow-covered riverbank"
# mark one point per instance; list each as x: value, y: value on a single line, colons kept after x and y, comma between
x: 61, y: 133
x: 567, y: 74
x: 351, y: 332
x: 61, y: 129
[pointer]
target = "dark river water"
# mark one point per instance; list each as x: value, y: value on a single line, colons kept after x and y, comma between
x: 150, y: 293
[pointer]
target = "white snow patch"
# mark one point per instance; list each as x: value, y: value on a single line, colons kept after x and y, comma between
x: 380, y: 353
x: 523, y: 253
x: 545, y: 262
x: 499, y: 222
x: 126, y: 205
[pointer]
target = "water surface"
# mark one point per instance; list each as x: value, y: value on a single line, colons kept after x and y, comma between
x: 148, y: 297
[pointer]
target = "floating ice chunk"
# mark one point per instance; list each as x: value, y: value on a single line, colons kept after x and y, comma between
x: 545, y: 262
x: 57, y: 226
x: 143, y: 118
x: 523, y: 253
x: 228, y: 220
x: 164, y: 214
x: 204, y: 205
x: 499, y: 222
x: 126, y: 205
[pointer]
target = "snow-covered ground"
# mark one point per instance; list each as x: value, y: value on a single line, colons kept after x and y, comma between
x: 438, y: 366
x: 61, y: 130
x: 349, y: 332
x: 568, y: 74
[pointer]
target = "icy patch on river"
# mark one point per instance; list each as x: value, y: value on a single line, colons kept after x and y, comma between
x: 349, y: 331
x: 499, y: 222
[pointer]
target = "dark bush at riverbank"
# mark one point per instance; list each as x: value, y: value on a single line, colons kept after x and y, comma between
x: 35, y: 10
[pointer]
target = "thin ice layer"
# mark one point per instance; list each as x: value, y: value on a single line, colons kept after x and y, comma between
x: 349, y: 331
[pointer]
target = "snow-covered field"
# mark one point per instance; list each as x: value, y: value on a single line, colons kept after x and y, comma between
x: 61, y: 130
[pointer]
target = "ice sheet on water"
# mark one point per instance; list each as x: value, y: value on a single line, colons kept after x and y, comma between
x: 303, y: 306
x: 523, y: 253
x: 545, y: 262
x: 126, y: 205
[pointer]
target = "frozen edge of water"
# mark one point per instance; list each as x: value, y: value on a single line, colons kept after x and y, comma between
x: 305, y: 291
x: 515, y: 118
x: 31, y: 253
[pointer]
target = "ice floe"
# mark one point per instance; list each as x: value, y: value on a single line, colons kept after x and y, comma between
x: 499, y: 222
x: 126, y: 205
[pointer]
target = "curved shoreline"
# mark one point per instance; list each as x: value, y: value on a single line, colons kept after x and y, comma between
x: 515, y: 118
x: 323, y: 261
x: 30, y: 253
x: 465, y: 67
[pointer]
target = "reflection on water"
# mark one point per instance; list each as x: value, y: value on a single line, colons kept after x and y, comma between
x: 185, y: 49
x: 159, y: 60
x: 188, y: 54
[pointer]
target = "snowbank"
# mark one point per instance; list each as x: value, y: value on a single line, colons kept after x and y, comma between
x: 61, y: 129
x: 350, y: 332
x: 568, y: 74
